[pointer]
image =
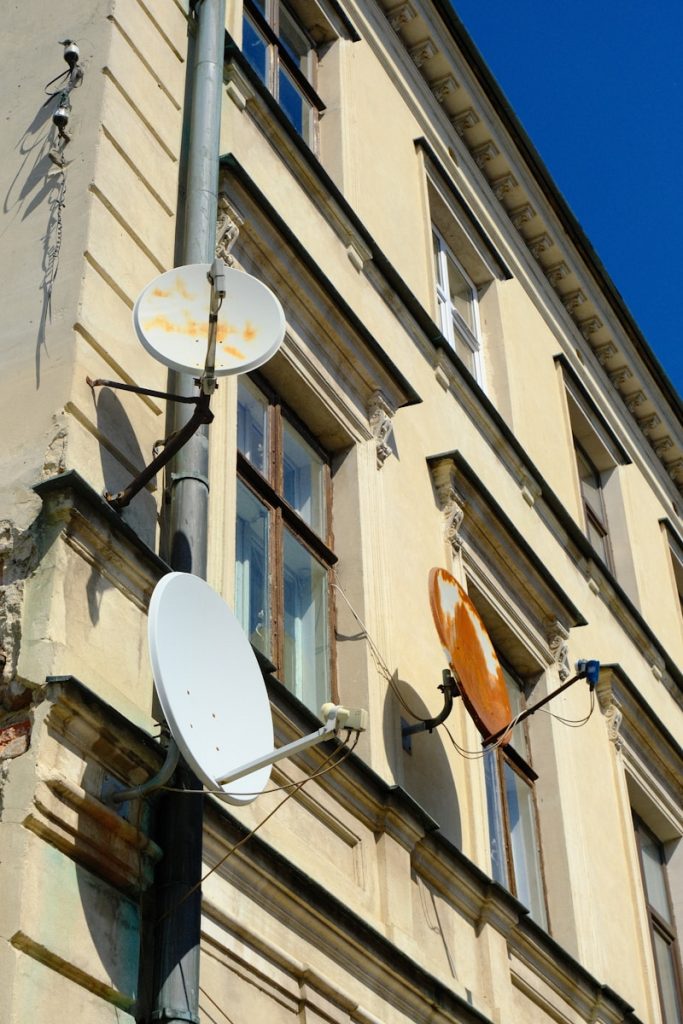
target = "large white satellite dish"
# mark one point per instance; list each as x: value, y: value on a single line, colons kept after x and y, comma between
x: 212, y: 692
x: 171, y: 319
x: 209, y: 684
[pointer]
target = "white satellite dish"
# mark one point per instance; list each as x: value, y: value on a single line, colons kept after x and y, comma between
x: 209, y: 684
x: 171, y: 319
x: 212, y: 692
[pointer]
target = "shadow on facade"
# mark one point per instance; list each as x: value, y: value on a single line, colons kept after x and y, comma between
x: 426, y: 772
x: 119, y: 464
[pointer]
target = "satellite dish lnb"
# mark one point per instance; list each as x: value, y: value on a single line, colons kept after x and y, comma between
x: 471, y: 654
x: 212, y: 692
x: 171, y: 320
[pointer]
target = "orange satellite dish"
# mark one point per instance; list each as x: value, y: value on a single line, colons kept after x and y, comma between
x: 470, y: 653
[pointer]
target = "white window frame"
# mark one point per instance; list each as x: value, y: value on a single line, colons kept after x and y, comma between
x: 453, y: 326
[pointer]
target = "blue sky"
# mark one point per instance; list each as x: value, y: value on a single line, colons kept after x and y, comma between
x: 599, y: 90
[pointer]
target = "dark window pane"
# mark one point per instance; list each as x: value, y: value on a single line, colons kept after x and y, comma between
x: 252, y: 606
x: 255, y: 48
x: 294, y: 104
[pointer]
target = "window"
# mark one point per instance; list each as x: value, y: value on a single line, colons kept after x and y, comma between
x: 595, y: 517
x: 676, y: 552
x: 662, y: 929
x: 283, y: 558
x: 456, y: 297
x: 511, y: 805
x: 599, y: 457
x: 282, y: 53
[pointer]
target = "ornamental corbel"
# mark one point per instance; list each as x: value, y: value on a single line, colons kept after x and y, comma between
x: 451, y: 503
x: 381, y: 425
x: 228, y: 224
x: 612, y: 713
x: 558, y: 636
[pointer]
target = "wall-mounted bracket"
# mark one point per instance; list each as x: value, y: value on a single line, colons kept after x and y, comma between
x: 449, y: 689
x: 202, y: 414
x: 336, y: 718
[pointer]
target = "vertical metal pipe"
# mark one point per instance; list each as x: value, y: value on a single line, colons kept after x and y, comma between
x: 175, y: 969
x: 189, y: 476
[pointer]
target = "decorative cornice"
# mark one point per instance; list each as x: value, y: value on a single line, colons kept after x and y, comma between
x: 633, y: 400
x: 620, y: 376
x: 675, y: 470
x: 484, y: 153
x: 557, y: 273
x: 608, y: 350
x: 662, y: 445
x: 648, y: 423
x: 422, y: 52
x: 557, y: 636
x: 503, y: 185
x: 401, y: 15
x: 464, y: 120
x: 591, y: 325
x: 572, y: 300
x: 381, y: 425
x: 521, y: 214
x: 540, y: 244
x: 443, y: 87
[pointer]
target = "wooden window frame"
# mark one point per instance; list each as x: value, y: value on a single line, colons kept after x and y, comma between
x: 278, y: 56
x: 268, y: 490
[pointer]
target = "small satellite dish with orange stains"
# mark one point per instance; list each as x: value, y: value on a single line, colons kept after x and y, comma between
x: 470, y: 653
x: 171, y: 319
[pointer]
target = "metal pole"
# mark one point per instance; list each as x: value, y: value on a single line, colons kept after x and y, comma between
x: 175, y: 972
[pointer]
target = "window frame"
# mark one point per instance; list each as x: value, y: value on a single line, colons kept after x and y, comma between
x: 277, y: 56
x: 666, y: 929
x: 453, y: 325
x: 521, y: 764
x: 590, y: 515
x: 268, y: 490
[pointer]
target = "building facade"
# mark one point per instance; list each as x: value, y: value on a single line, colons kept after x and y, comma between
x: 460, y: 386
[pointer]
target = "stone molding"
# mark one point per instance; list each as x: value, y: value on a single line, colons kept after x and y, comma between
x: 572, y: 300
x: 522, y: 214
x: 401, y: 15
x: 422, y: 52
x: 484, y: 153
x: 557, y: 272
x: 464, y: 120
x: 605, y: 352
x: 540, y: 244
x: 443, y: 87
x: 591, y: 325
x: 620, y: 376
x: 503, y: 185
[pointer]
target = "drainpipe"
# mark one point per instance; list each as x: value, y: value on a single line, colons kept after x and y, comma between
x: 175, y: 968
